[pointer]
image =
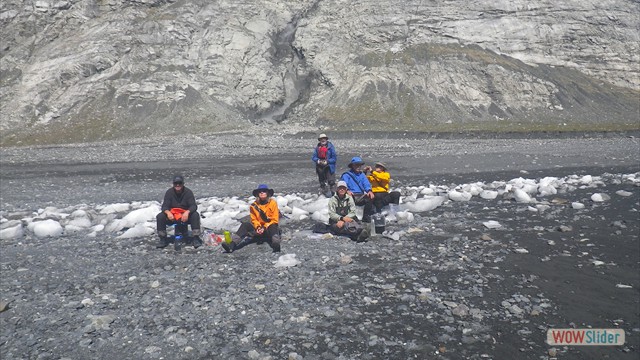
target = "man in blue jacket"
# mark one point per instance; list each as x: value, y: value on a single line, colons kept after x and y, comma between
x: 325, y: 157
x: 359, y: 187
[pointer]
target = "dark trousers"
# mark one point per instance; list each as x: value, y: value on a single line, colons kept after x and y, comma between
x: 352, y: 231
x: 325, y: 176
x: 270, y: 235
x: 383, y: 199
x: 181, y: 228
x: 364, y: 200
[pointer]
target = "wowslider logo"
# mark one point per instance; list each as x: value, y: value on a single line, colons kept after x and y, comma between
x: 600, y: 337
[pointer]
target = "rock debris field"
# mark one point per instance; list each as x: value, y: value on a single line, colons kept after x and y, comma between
x: 494, y: 244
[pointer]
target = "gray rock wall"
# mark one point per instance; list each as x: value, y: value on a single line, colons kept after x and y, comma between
x: 88, y: 70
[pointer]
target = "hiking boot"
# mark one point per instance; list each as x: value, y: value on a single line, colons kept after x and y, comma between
x: 228, y: 247
x: 275, y: 243
x: 163, y: 243
x: 363, y: 236
x: 235, y: 240
x: 196, y: 240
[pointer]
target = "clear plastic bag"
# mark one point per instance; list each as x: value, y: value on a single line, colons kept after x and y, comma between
x: 211, y: 239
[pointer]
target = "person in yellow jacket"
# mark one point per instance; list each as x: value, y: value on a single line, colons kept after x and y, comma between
x: 265, y: 216
x: 379, y: 178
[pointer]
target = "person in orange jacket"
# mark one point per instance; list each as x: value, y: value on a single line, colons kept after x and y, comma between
x: 379, y: 178
x: 265, y: 216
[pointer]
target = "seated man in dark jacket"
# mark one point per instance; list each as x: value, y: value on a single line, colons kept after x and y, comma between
x: 179, y: 207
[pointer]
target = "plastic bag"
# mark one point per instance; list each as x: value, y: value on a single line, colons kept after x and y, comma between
x: 212, y: 239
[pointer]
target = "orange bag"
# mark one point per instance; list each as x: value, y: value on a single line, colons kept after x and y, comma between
x: 177, y: 212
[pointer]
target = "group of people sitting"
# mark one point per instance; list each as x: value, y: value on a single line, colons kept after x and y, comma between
x: 179, y: 209
x: 359, y: 186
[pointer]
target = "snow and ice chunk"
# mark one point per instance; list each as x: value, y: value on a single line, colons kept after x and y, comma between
x: 312, y: 206
x: 492, y: 224
x: 51, y: 212
x: 624, y: 286
x: 488, y: 194
x: 11, y: 230
x: 600, y: 197
x: 142, y: 215
x: 140, y: 230
x: 115, y: 208
x: 577, y: 205
x: 47, y: 227
x: 459, y: 195
x: 546, y: 190
x: 624, y: 193
x: 116, y: 225
x: 404, y: 216
x: 586, y: 180
x: 222, y: 220
x: 287, y: 260
x: 394, y: 235
x: 95, y: 230
x: 299, y: 214
x: 474, y: 189
x: 146, y: 212
x: 529, y: 186
x: 80, y: 222
x: 427, y: 203
x: 429, y: 191
x: 521, y: 196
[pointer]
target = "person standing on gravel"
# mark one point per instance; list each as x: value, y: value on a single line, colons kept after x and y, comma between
x: 342, y: 215
x: 265, y: 217
x: 179, y: 208
x: 325, y: 157
x: 380, y: 178
x: 359, y: 187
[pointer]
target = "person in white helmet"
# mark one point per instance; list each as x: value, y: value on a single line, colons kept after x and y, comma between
x: 342, y: 215
x: 325, y: 157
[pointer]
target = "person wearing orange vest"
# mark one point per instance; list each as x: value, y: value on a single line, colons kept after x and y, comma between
x: 264, y: 224
x: 379, y: 178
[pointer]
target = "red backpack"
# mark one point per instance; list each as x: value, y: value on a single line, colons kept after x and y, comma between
x: 322, y: 152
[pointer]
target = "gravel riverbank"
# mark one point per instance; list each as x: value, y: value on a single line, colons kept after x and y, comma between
x: 445, y: 285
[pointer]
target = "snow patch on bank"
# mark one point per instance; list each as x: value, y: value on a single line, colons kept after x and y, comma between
x: 137, y: 219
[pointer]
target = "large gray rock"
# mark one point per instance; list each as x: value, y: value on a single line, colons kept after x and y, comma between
x: 88, y: 70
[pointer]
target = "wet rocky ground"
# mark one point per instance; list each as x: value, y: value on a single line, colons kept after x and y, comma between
x: 448, y: 285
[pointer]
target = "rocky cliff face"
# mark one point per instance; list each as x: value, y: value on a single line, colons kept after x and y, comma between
x: 87, y: 70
